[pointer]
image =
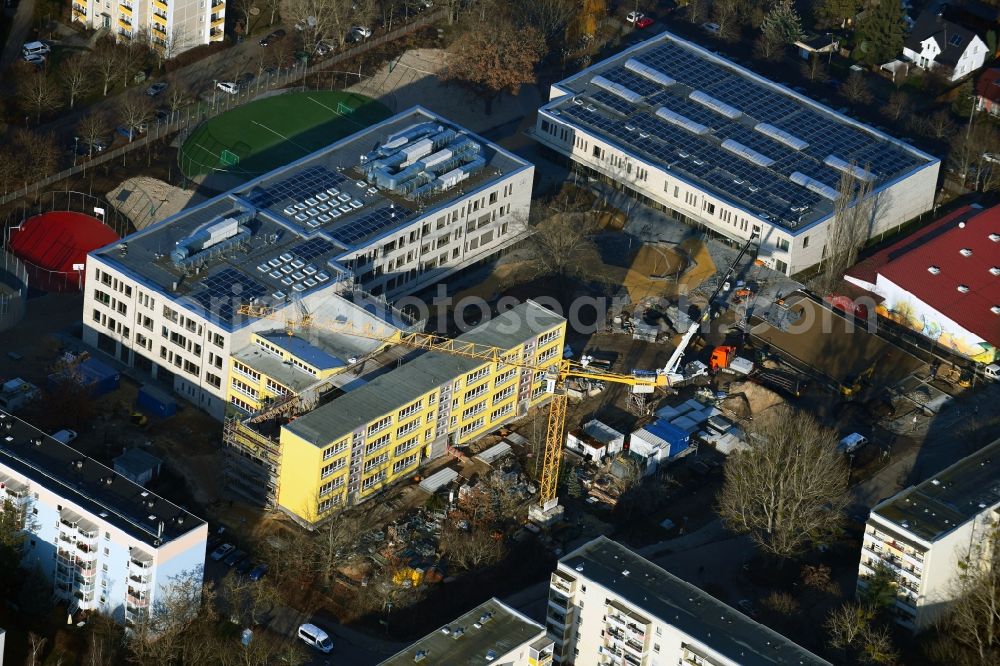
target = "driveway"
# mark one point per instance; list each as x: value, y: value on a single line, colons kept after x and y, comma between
x: 15, y: 40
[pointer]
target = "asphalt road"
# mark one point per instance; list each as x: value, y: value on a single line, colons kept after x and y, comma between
x: 15, y: 40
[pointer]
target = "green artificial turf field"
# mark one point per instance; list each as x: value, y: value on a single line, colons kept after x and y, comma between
x: 257, y: 137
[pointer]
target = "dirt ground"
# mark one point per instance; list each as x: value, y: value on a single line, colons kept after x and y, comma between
x: 823, y: 340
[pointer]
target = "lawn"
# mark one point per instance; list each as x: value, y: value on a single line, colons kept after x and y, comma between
x: 262, y: 135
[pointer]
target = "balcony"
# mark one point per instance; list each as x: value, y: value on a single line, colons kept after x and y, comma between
x: 136, y: 602
x: 159, y: 30
x: 138, y: 581
x: 125, y: 9
x: 159, y: 4
x: 216, y: 34
x: 79, y: 15
x: 125, y: 27
x: 140, y: 563
x: 159, y: 18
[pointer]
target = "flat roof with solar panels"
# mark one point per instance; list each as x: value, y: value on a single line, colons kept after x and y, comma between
x: 726, y: 130
x: 283, y: 235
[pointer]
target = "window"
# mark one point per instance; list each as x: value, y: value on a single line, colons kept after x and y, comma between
x: 410, y: 409
x: 503, y: 411
x: 472, y: 427
x: 709, y: 208
x: 400, y: 465
x: 805, y: 242
x: 474, y: 377
x: 245, y: 389
x: 372, y: 480
x: 102, y: 297
x: 597, y: 151
x: 548, y: 337
x: 780, y: 266
x: 335, y: 449
x: 405, y: 446
x: 475, y: 393
x: 376, y: 461
x: 332, y: 467
x: 246, y: 371
x: 504, y: 394
x: 328, y: 504
x: 214, y: 380
x: 327, y: 488
x: 782, y: 244
x: 407, y: 428
x: 276, y: 388
x: 475, y: 409
x: 377, y: 444
x: 381, y: 424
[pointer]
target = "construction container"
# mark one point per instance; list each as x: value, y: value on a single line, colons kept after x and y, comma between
x: 154, y: 401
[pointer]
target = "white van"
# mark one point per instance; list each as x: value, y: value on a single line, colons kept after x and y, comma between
x: 852, y: 443
x: 35, y: 48
x: 316, y: 637
x: 992, y: 371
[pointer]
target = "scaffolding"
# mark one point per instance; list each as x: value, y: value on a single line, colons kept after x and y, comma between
x: 252, y: 462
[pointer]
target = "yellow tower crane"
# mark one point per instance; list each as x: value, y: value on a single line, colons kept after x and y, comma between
x: 556, y: 376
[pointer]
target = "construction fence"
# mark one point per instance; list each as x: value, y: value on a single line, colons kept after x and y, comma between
x: 186, y: 119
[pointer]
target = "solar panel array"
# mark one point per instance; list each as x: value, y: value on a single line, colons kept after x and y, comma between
x: 370, y: 224
x: 769, y: 189
x: 218, y: 291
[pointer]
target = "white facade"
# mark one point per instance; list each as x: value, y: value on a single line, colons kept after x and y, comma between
x: 171, y: 26
x: 602, y: 150
x: 608, y: 605
x: 923, y: 534
x: 973, y: 57
x: 142, y: 307
x: 105, y: 556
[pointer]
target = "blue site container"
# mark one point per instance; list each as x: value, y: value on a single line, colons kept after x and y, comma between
x: 154, y: 401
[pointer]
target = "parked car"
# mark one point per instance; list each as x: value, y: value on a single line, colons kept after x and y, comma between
x: 156, y: 88
x: 852, y: 443
x: 222, y: 551
x: 258, y: 572
x: 36, y: 48
x: 65, y: 436
x: 633, y: 17
x: 711, y: 28
x: 161, y: 115
x: 36, y: 60
x: 87, y: 147
x: 322, y: 48
x: 363, y: 31
x: 312, y: 635
x: 644, y: 22
x: 130, y: 133
x: 235, y: 558
x: 275, y: 36
x: 228, y: 87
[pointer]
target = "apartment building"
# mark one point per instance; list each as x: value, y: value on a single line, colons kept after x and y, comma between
x: 490, y: 633
x: 170, y: 26
x: 608, y: 605
x: 371, y: 430
x: 388, y: 211
x: 104, y: 542
x: 922, y: 534
x: 721, y: 148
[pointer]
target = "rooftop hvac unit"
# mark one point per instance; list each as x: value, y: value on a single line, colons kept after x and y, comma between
x: 965, y: 252
x: 963, y: 289
x: 933, y: 270
x: 995, y: 270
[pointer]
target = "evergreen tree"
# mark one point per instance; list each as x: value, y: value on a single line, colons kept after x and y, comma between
x: 782, y: 24
x: 835, y: 12
x: 881, y: 33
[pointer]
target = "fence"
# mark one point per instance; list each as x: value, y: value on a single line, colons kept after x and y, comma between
x: 13, y: 291
x: 187, y: 119
x: 63, y: 200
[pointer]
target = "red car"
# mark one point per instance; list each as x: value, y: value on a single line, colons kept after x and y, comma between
x: 644, y: 22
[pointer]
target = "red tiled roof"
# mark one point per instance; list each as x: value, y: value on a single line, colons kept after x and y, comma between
x: 988, y: 85
x: 944, y: 245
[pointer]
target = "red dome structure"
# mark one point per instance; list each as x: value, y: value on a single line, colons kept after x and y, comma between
x: 51, y: 244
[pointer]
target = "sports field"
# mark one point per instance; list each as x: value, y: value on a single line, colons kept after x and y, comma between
x: 257, y: 137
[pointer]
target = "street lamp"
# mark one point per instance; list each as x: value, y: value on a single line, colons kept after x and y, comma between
x: 76, y: 139
x: 215, y: 88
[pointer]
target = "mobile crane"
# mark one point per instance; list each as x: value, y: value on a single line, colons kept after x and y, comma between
x: 547, y: 509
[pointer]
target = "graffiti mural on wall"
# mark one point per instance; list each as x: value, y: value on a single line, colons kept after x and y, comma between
x: 902, y: 313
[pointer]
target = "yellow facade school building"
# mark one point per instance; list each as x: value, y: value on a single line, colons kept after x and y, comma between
x: 379, y: 431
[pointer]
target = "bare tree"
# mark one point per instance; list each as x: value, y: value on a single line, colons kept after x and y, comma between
x: 35, y: 92
x: 41, y: 158
x: 939, y: 124
x: 788, y: 490
x: 897, y: 106
x: 494, y: 61
x: 563, y: 247
x: 814, y: 69
x: 107, y: 64
x: 93, y: 128
x: 972, y: 622
x: 322, y: 19
x: 855, y: 89
x: 134, y: 110
x: 847, y: 624
x: 36, y: 644
x: 179, y: 627
x: 768, y: 48
x: 133, y: 53
x: 471, y: 548
x: 11, y: 167
x: 550, y: 17
x: 77, y: 75
x: 730, y: 16
x: 855, y: 212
